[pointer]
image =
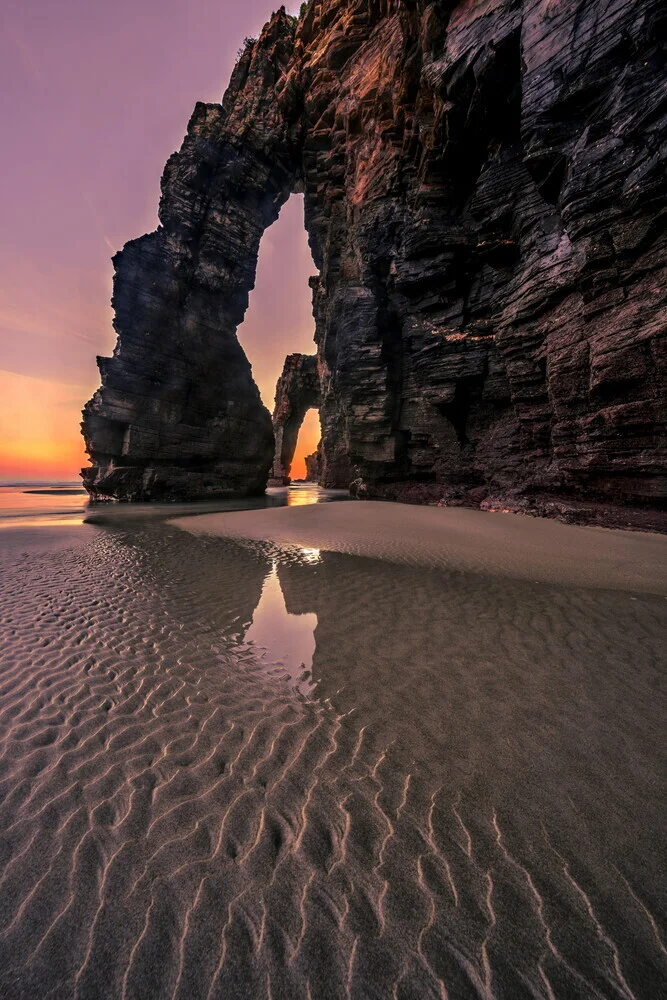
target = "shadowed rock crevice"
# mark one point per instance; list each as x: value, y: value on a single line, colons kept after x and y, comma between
x: 484, y: 199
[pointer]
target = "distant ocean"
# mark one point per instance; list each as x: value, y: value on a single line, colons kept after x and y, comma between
x: 54, y: 504
x: 34, y: 503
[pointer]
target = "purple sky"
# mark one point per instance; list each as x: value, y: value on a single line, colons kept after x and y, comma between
x: 93, y: 99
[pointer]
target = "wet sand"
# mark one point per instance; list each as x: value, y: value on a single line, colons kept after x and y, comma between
x: 457, y: 793
x: 455, y: 539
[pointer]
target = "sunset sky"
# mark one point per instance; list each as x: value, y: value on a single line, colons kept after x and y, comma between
x: 93, y: 99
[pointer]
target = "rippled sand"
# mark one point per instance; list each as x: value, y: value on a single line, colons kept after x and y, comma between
x: 458, y: 795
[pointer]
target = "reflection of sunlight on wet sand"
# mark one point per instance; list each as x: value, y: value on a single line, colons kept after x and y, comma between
x: 470, y: 758
x: 66, y: 504
x: 288, y: 639
x: 43, y: 521
x: 299, y: 496
x: 61, y: 506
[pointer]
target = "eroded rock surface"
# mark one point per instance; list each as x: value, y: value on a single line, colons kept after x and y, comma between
x: 178, y: 414
x: 484, y: 193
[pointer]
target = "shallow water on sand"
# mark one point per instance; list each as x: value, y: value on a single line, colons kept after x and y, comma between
x: 234, y: 770
x: 56, y: 505
x: 23, y: 504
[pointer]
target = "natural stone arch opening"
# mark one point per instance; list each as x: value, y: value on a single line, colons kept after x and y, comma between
x: 297, y: 391
x: 280, y: 316
x: 279, y: 319
x: 307, y: 462
x: 481, y: 319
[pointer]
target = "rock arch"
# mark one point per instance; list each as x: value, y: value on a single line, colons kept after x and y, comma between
x: 492, y: 264
x: 178, y: 414
x: 297, y: 391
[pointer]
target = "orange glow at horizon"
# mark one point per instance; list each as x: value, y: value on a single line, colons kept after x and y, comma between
x: 49, y: 343
x: 40, y: 438
x: 307, y: 442
x: 82, y: 176
x: 44, y: 463
x: 39, y: 428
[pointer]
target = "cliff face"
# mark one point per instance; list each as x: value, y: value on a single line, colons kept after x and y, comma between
x: 484, y: 186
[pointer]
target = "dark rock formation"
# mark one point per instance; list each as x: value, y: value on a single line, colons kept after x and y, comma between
x: 313, y: 465
x: 297, y: 391
x: 484, y: 189
x: 178, y: 414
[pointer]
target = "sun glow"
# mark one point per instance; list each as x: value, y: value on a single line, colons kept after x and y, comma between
x: 39, y: 428
x: 309, y: 436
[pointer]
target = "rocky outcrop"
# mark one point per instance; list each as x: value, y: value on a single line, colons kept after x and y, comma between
x: 313, y: 466
x: 297, y: 391
x: 178, y: 414
x: 484, y: 193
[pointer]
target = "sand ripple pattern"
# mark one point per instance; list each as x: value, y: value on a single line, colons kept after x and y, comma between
x: 177, y: 822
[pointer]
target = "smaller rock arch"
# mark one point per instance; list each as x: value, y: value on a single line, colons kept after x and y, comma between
x: 297, y: 391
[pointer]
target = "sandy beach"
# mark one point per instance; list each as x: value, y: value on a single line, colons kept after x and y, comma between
x: 331, y: 752
x: 333, y: 533
x: 515, y: 546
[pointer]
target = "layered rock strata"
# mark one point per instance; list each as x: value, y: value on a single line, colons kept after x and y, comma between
x: 178, y: 414
x: 484, y: 198
x: 297, y: 391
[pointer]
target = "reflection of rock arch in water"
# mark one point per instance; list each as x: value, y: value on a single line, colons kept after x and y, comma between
x: 289, y: 638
